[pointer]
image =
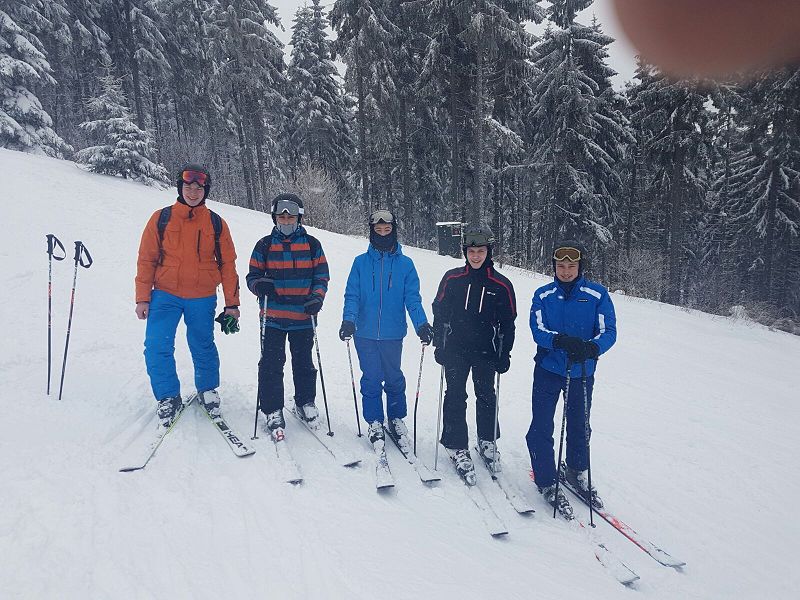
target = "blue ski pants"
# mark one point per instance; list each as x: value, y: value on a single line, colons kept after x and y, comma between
x: 547, y: 388
x: 163, y: 317
x: 381, y: 372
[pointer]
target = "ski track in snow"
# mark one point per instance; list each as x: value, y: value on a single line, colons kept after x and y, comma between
x: 694, y: 444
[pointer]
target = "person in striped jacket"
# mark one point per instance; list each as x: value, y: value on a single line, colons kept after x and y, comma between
x: 289, y: 275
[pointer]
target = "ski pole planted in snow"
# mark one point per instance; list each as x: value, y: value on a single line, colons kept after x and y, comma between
x: 321, y: 376
x: 563, y: 426
x: 84, y: 259
x: 496, y: 410
x: 353, y: 382
x: 416, y: 399
x: 262, y: 316
x: 441, y: 394
x: 586, y: 432
x: 52, y: 242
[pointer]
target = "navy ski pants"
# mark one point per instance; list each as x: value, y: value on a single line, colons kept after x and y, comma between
x: 381, y: 372
x: 454, y: 419
x: 547, y: 388
x: 163, y: 317
x: 270, y: 368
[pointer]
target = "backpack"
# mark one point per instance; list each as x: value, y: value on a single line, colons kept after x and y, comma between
x: 163, y: 219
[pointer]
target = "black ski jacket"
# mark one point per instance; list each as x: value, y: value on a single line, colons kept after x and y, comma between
x: 479, y: 306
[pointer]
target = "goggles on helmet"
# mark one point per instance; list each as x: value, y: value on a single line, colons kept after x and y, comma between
x: 381, y: 216
x: 567, y: 253
x: 478, y: 238
x: 198, y: 177
x: 287, y: 206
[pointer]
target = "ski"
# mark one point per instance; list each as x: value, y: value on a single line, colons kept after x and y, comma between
x: 494, y: 524
x: 654, y: 551
x: 234, y: 441
x: 403, y: 444
x: 383, y: 476
x: 161, y: 433
x: 345, y: 458
x: 618, y: 569
x: 516, y: 500
x: 289, y: 470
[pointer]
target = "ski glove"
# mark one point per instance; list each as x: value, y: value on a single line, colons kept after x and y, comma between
x: 313, y: 304
x: 425, y: 333
x: 572, y: 345
x: 503, y: 363
x: 590, y: 350
x: 440, y: 355
x: 263, y: 286
x: 227, y: 323
x: 347, y: 330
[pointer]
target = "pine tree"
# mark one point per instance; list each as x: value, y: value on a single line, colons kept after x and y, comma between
x: 24, y: 124
x: 124, y: 149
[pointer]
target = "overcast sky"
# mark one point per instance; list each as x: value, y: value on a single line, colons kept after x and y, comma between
x: 621, y: 53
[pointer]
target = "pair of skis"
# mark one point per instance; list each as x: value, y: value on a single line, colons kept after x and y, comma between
x: 234, y: 441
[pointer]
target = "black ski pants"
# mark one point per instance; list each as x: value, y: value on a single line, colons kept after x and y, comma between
x: 270, y: 368
x: 456, y: 370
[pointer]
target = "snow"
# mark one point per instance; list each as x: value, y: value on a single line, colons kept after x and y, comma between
x: 694, y: 445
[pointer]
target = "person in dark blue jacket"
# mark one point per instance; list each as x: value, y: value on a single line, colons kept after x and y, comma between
x: 573, y: 323
x: 382, y: 286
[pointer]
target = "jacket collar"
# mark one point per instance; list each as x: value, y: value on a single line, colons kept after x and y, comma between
x: 277, y: 235
x: 375, y: 254
x: 184, y: 211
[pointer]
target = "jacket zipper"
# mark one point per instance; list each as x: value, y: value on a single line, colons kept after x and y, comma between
x: 480, y: 306
x: 466, y: 300
x: 380, y: 302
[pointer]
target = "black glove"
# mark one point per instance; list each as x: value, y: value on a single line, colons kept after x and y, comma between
x: 263, y: 286
x: 590, y: 350
x: 440, y: 355
x: 347, y: 330
x: 572, y: 345
x: 313, y: 304
x: 227, y: 323
x: 503, y: 363
x: 425, y: 333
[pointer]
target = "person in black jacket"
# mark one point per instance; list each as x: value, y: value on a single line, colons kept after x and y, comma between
x: 474, y: 313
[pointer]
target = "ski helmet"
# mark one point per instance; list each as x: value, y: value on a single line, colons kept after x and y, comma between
x: 571, y: 251
x: 383, y: 243
x: 193, y: 173
x: 290, y: 204
x: 476, y: 236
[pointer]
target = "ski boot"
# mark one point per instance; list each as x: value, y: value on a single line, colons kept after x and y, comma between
x: 168, y: 409
x: 490, y: 454
x: 464, y: 465
x: 559, y: 502
x: 210, y: 401
x: 275, y: 424
x: 309, y: 413
x: 375, y: 433
x: 579, y: 480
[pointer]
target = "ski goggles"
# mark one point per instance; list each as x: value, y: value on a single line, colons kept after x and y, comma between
x: 567, y: 253
x: 381, y: 216
x: 287, y: 206
x: 478, y: 238
x: 198, y: 177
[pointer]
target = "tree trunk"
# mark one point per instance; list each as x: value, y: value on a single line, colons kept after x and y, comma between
x: 675, y: 233
x: 454, y: 150
x: 134, y: 65
x: 362, y: 142
x: 408, y: 201
x: 477, y: 182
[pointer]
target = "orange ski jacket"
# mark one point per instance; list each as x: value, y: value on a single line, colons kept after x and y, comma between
x: 189, y: 268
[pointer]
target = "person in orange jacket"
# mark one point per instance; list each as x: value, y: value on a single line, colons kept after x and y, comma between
x: 185, y: 253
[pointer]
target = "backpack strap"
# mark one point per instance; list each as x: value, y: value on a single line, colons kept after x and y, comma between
x: 163, y: 219
x: 216, y: 221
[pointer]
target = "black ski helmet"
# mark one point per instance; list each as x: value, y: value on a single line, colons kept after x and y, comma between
x: 383, y: 243
x: 286, y: 197
x: 475, y: 236
x: 583, y: 263
x: 193, y: 167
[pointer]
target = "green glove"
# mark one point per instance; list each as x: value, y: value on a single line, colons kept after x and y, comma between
x: 228, y: 323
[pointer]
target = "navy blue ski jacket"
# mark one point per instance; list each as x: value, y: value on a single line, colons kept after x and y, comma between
x: 587, y: 313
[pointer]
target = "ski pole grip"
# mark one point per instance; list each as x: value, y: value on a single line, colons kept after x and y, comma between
x: 80, y: 252
x: 52, y: 242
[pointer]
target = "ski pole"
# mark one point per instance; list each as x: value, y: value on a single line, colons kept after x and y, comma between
x: 262, y: 316
x: 563, y: 426
x: 416, y: 400
x: 321, y: 376
x: 586, y: 433
x: 80, y: 252
x: 353, y: 382
x: 441, y: 396
x: 52, y: 242
x: 496, y: 410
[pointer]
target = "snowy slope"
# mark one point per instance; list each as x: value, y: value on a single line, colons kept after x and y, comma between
x: 694, y: 445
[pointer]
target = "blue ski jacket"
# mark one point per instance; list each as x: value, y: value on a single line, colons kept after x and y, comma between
x: 587, y: 313
x: 381, y: 287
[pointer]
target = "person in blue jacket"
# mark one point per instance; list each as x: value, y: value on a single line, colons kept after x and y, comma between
x: 573, y: 323
x: 382, y: 286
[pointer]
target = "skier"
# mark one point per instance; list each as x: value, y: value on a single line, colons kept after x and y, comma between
x: 573, y: 323
x: 289, y: 275
x: 186, y: 251
x: 382, y: 286
x: 474, y: 313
